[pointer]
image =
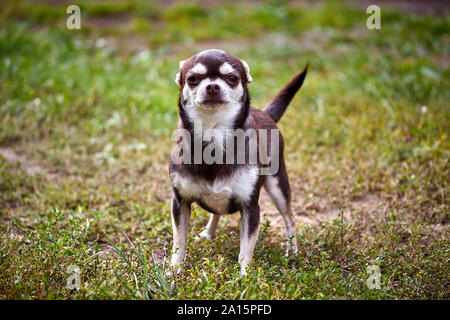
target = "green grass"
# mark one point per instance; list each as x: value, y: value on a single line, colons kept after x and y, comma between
x: 371, y: 119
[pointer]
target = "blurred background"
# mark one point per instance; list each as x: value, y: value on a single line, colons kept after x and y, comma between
x: 86, y: 118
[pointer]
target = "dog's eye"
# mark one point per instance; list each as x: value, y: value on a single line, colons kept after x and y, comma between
x: 232, y: 78
x: 193, y: 80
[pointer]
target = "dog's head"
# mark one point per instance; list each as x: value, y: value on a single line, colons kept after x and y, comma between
x: 213, y: 80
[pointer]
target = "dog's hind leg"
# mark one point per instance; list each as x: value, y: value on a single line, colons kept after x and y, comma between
x: 181, y: 214
x: 210, y: 230
x: 278, y: 188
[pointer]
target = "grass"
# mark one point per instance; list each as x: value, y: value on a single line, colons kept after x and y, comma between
x: 97, y: 116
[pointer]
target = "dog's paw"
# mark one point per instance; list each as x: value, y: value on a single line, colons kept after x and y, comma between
x: 170, y: 273
x: 242, y: 274
x: 292, y: 249
x: 244, y: 267
x: 290, y: 255
x: 205, y: 235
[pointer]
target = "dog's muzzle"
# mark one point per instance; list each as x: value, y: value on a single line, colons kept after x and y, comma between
x: 213, y: 95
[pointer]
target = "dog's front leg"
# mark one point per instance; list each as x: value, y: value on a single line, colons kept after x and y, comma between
x: 249, y: 228
x: 181, y: 214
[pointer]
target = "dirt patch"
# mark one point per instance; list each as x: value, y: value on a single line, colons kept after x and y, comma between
x: 320, y: 210
x: 32, y: 167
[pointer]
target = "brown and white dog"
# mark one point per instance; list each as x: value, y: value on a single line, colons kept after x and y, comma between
x: 214, y: 110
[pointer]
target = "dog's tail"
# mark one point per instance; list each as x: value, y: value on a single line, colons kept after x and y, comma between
x: 276, y: 108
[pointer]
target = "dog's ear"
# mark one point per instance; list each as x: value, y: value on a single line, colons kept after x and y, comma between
x: 178, y: 76
x: 247, y: 71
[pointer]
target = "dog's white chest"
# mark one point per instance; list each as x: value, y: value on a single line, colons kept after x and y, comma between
x: 217, y: 195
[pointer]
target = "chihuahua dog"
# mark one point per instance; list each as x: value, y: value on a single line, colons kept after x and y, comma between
x: 207, y: 166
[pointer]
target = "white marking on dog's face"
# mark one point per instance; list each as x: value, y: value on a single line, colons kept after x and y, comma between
x: 226, y: 68
x: 199, y: 68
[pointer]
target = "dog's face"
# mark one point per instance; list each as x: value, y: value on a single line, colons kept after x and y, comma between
x: 212, y: 80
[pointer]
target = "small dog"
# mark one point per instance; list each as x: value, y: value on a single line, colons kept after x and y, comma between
x: 214, y: 111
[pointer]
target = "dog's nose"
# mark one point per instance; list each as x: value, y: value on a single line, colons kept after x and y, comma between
x: 212, y: 89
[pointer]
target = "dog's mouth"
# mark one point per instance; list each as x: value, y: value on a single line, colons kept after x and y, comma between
x: 213, y: 102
